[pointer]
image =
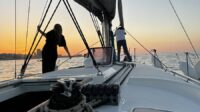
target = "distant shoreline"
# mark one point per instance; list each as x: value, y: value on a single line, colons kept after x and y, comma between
x: 22, y: 58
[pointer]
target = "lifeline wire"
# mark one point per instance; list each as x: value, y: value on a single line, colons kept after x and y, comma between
x: 188, y: 37
x: 146, y: 49
x: 77, y: 53
x: 15, y: 37
x: 27, y: 27
x: 29, y: 53
x: 69, y: 9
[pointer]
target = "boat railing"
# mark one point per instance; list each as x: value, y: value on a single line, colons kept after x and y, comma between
x: 103, y: 55
x: 187, y: 78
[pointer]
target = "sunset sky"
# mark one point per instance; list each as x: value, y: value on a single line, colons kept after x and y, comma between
x: 152, y: 22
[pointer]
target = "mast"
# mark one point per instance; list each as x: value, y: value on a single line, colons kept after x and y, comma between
x: 106, y: 31
x: 104, y: 10
x: 120, y: 11
x: 106, y: 27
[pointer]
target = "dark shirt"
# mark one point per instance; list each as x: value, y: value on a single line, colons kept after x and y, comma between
x: 50, y: 48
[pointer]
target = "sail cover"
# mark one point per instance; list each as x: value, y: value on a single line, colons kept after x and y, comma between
x: 97, y: 7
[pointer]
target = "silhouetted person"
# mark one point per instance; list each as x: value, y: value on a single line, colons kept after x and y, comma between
x: 120, y: 37
x: 49, y: 52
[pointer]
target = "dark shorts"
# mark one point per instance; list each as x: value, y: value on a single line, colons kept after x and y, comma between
x: 122, y: 43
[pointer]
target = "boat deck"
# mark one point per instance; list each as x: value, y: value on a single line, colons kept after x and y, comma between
x: 145, y: 87
x: 149, y: 87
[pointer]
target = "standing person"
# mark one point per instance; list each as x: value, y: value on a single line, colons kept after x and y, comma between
x: 49, y: 52
x: 120, y: 37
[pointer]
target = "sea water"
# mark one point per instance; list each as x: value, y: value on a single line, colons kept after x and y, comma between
x: 7, y: 67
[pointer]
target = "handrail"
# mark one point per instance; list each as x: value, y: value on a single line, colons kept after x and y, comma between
x: 185, y: 77
x: 165, y: 67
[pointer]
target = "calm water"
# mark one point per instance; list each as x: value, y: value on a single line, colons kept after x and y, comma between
x: 7, y: 67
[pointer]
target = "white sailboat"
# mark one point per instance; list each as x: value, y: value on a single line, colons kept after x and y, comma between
x: 107, y: 86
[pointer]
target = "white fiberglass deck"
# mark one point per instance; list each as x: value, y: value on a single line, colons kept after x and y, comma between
x: 145, y: 87
x: 149, y: 87
x: 78, y: 72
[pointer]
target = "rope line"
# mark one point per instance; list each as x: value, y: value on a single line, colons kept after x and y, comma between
x: 77, y: 54
x: 181, y: 23
x: 43, y: 31
x: 27, y: 27
x: 15, y: 38
x: 96, y: 25
x: 37, y: 31
x: 69, y: 9
x: 146, y: 49
x: 43, y: 11
x: 28, y: 55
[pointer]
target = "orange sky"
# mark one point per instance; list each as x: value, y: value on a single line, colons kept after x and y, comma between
x: 152, y: 23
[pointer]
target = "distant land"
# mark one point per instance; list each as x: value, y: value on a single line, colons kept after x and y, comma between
x: 38, y: 54
x: 10, y: 56
x: 6, y: 56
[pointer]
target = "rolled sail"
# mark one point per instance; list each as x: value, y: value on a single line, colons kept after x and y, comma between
x: 97, y: 7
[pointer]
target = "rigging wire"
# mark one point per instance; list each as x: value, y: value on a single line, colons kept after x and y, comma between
x: 77, y: 26
x: 96, y: 25
x: 15, y: 38
x: 181, y: 23
x: 146, y: 48
x: 29, y: 53
x: 27, y: 27
x: 43, y: 12
x: 37, y: 33
x: 77, y: 53
x: 43, y: 31
x: 69, y: 9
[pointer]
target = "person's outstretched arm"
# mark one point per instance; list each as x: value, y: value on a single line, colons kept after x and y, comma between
x: 114, y: 34
x: 39, y: 30
x: 66, y: 49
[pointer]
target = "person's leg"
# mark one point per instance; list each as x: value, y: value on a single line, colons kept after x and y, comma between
x: 54, y: 64
x: 51, y: 65
x: 48, y: 64
x: 44, y: 62
x: 118, y: 50
x: 44, y: 69
x: 126, y: 50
